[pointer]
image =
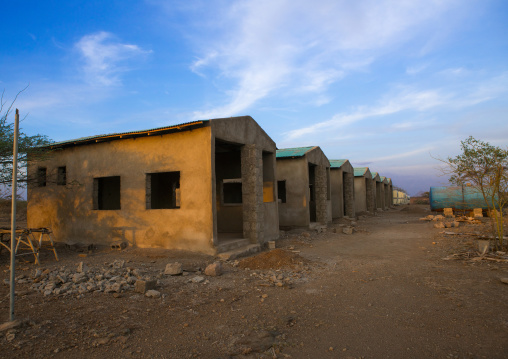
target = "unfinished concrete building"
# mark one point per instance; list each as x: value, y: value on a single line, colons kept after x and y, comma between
x: 364, y: 190
x: 378, y: 192
x: 207, y: 186
x: 390, y: 189
x: 387, y: 192
x: 343, y: 190
x: 303, y: 186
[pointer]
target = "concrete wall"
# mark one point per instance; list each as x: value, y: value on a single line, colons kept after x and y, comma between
x: 380, y: 195
x: 360, y: 194
x: 323, y: 186
x: 260, y: 219
x: 337, y: 180
x: 343, y: 200
x: 68, y: 210
x: 371, y: 194
x: 387, y: 192
x: 295, y: 212
x: 365, y: 193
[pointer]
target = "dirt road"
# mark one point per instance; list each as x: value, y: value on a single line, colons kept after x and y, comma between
x: 383, y: 292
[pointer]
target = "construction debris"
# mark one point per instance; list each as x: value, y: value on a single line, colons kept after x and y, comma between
x: 173, y: 269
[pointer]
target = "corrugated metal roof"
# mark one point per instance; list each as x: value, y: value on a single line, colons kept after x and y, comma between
x: 360, y: 171
x: 293, y: 152
x: 120, y: 135
x: 382, y: 178
x: 337, y: 163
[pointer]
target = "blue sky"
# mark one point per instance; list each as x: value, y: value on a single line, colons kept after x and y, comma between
x: 386, y: 84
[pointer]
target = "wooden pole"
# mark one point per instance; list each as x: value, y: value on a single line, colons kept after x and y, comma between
x: 13, y: 210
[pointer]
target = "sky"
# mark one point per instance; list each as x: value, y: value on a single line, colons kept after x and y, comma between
x: 391, y: 85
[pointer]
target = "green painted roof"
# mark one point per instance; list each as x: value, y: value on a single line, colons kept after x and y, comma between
x: 374, y: 175
x: 360, y: 171
x: 293, y: 152
x: 337, y: 163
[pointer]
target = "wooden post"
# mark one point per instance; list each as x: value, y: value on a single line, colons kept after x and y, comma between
x: 13, y: 210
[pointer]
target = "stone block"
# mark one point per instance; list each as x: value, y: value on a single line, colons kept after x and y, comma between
x: 173, y: 269
x: 439, y: 225
x: 448, y: 212
x: 198, y: 279
x: 214, y: 269
x: 347, y: 230
x: 153, y: 293
x: 82, y: 268
x: 142, y: 286
x: 477, y: 213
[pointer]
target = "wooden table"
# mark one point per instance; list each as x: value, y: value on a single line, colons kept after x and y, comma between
x: 26, y: 239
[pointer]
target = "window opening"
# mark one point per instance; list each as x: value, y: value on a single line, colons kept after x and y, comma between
x: 61, y: 179
x: 163, y: 190
x: 328, y: 184
x: 41, y: 176
x: 232, y: 191
x: 281, y: 191
x: 106, y: 193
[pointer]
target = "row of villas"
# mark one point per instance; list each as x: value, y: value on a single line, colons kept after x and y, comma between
x: 206, y: 186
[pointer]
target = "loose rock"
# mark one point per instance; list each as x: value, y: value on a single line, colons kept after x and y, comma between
x: 347, y: 230
x: 214, y: 269
x: 153, y: 294
x: 198, y: 279
x: 173, y: 269
x: 144, y: 286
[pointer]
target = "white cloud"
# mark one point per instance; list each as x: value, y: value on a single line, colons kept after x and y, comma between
x: 413, y: 70
x: 403, y: 154
x: 267, y: 47
x: 411, y: 100
x: 105, y: 58
x: 415, y: 100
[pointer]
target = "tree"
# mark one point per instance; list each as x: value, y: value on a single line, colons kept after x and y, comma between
x: 485, y: 168
x: 30, y: 148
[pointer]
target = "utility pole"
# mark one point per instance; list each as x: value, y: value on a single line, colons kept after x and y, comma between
x: 13, y: 210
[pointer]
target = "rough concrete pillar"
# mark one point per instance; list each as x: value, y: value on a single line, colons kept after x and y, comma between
x: 371, y: 195
x: 321, y: 195
x: 349, y: 194
x: 252, y: 193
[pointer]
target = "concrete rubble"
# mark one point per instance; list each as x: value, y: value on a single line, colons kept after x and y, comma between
x: 214, y: 269
x: 173, y: 269
x: 113, y: 278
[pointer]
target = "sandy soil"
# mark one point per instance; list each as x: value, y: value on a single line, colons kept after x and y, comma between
x: 390, y: 290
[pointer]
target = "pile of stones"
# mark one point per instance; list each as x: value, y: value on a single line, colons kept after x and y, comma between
x: 64, y: 281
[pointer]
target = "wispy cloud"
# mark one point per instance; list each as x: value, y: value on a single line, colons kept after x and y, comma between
x: 416, y: 100
x: 404, y: 154
x: 275, y: 47
x: 105, y: 58
x: 410, y: 100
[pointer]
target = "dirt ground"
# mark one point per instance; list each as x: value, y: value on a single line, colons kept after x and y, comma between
x: 396, y: 288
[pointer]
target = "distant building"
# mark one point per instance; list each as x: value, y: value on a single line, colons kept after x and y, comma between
x: 343, y: 189
x: 303, y: 186
x: 364, y: 190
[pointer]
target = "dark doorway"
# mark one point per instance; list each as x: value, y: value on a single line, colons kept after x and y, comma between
x: 228, y: 177
x: 312, y: 192
x: 344, y: 191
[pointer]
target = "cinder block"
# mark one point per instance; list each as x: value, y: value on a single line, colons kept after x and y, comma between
x: 142, y: 286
